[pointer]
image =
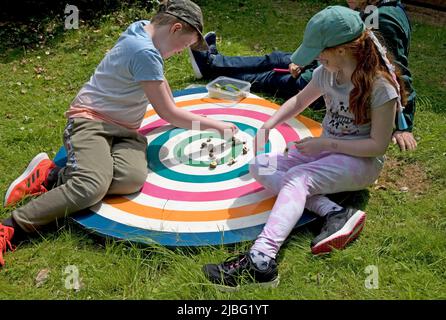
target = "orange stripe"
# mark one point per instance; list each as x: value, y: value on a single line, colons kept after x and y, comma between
x: 314, y: 126
x: 126, y: 205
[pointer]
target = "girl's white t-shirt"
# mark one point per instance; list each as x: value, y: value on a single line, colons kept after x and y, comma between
x: 339, y: 121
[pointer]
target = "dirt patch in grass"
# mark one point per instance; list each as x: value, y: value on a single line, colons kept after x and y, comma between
x: 426, y: 15
x: 400, y: 176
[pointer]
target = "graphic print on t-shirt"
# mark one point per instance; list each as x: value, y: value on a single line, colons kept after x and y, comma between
x: 340, y: 121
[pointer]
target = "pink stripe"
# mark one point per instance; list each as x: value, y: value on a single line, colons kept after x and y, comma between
x: 162, y: 193
x: 152, y: 126
x: 158, y: 192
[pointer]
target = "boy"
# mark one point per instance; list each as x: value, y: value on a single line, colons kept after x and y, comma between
x: 105, y: 153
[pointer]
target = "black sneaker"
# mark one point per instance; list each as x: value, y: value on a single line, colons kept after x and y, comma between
x: 339, y: 229
x: 211, y: 40
x: 200, y: 59
x: 235, y: 271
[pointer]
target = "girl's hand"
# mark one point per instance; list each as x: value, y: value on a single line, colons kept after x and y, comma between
x: 260, y: 140
x: 311, y: 146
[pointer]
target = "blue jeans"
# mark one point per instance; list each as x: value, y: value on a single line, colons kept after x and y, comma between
x: 256, y: 70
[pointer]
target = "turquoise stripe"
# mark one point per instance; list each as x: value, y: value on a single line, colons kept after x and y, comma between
x: 187, y: 160
x: 159, y: 168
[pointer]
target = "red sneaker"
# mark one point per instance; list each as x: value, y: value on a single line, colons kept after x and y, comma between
x: 6, y: 234
x: 31, y: 181
x: 339, y: 229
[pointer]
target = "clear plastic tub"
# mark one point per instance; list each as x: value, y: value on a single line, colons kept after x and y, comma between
x: 228, y: 88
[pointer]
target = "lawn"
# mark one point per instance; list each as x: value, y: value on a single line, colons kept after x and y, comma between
x: 404, y: 238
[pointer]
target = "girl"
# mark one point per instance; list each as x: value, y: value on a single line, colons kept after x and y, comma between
x: 361, y: 91
x: 393, y: 26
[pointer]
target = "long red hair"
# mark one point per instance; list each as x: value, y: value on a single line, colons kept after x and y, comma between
x: 370, y: 65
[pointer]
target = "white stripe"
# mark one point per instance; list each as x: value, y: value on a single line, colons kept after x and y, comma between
x: 158, y: 180
x: 149, y: 201
x: 220, y: 204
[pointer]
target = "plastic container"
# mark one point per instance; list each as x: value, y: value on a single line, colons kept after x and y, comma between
x: 228, y: 88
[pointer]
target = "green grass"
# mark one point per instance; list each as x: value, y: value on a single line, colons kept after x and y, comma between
x: 404, y: 236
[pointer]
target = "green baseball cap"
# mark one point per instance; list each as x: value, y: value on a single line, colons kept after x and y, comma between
x: 190, y: 13
x: 331, y: 27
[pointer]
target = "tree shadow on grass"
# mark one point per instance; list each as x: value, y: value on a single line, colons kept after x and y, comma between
x: 31, y: 24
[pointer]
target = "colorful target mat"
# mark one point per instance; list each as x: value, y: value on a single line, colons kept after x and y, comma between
x: 183, y: 201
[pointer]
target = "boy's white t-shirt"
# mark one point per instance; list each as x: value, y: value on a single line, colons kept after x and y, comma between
x: 339, y: 121
x: 114, y: 93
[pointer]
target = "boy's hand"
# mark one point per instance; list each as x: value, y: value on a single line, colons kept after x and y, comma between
x: 260, y: 140
x: 228, y: 129
x: 294, y: 70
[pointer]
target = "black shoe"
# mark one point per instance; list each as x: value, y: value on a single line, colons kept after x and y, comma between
x: 211, y: 40
x: 199, y: 61
x: 339, y: 229
x: 233, y: 272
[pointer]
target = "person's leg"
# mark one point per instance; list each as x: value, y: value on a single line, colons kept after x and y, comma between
x: 82, y: 183
x: 270, y: 170
x: 231, y: 65
x: 213, y: 65
x: 258, y: 70
x: 282, y: 85
x: 332, y: 173
x: 129, y: 163
x: 277, y: 173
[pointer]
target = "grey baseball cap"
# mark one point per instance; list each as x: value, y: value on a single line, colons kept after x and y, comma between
x: 189, y: 12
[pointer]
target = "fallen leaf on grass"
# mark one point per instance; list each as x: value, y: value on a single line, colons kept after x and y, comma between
x: 39, y: 70
x: 42, y: 277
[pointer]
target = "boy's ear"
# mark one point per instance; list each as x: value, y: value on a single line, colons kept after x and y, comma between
x: 176, y: 27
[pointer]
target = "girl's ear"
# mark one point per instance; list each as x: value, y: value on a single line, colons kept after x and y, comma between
x: 341, y: 51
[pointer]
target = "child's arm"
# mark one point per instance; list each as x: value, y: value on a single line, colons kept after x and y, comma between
x: 376, y: 145
x: 160, y: 96
x: 168, y: 89
x: 290, y: 108
x: 294, y: 105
